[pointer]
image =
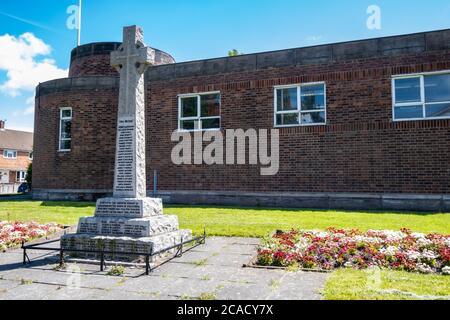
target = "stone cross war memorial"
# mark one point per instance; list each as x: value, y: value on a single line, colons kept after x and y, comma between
x: 129, y: 222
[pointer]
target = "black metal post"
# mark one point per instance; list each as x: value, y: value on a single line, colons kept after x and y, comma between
x: 102, y: 261
x: 204, y: 235
x: 24, y: 253
x: 181, y: 247
x: 61, y: 257
x: 155, y: 183
x: 147, y: 265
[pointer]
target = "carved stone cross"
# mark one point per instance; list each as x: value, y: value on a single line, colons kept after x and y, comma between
x: 131, y: 60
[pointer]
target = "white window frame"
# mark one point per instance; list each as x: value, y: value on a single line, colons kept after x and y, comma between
x: 298, y: 86
x: 6, y: 153
x: 30, y: 155
x: 199, y: 117
x: 422, y: 96
x: 22, y: 175
x: 61, y: 118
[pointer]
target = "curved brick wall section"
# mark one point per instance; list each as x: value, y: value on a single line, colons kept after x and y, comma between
x: 93, y: 59
x: 93, y: 134
x: 92, y: 66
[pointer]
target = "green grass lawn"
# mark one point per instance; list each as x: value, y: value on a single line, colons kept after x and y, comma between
x: 244, y: 222
x: 258, y: 222
x: 345, y: 284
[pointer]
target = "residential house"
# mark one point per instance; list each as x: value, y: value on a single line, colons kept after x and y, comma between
x: 16, y: 153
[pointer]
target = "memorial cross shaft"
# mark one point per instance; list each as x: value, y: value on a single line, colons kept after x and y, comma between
x: 131, y: 60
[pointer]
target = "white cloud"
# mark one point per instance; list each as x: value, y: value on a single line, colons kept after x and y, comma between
x: 25, y: 60
x: 29, y: 110
x: 314, y: 38
x: 30, y: 106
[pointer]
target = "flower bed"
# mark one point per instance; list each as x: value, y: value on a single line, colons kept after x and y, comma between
x: 333, y: 248
x: 13, y: 233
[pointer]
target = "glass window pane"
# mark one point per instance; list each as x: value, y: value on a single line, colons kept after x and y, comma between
x: 408, y: 112
x: 316, y: 89
x: 407, y: 90
x: 189, y: 107
x: 66, y: 129
x: 313, y: 117
x: 210, y: 105
x: 211, y: 123
x: 66, y: 113
x: 287, y: 99
x: 437, y: 88
x: 190, y: 125
x: 313, y: 97
x: 438, y: 110
x: 313, y: 102
x: 65, y: 145
x: 287, y: 119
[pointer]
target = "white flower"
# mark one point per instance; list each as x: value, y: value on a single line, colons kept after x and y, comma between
x: 393, y: 235
x: 413, y: 255
x: 446, y: 271
x: 423, y: 268
x: 389, y: 251
x: 302, y: 244
x: 428, y: 255
x: 348, y: 264
x: 424, y: 242
x: 447, y: 242
x: 365, y: 239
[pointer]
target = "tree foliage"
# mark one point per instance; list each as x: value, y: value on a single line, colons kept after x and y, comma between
x: 29, y: 175
x: 234, y: 52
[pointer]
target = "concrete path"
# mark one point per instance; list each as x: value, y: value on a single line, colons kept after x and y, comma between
x: 213, y: 271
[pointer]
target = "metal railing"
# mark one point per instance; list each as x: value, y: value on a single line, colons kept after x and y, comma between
x: 179, y: 252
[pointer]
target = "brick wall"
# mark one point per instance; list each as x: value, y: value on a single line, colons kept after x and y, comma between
x: 21, y: 163
x: 91, y: 66
x: 359, y: 150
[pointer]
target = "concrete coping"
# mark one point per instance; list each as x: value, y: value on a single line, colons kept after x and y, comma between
x: 320, y: 54
x: 77, y: 83
x: 103, y: 48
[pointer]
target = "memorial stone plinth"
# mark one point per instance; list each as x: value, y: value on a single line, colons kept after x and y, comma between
x: 129, y: 221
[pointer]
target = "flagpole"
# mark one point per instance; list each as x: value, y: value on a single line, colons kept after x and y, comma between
x: 79, y: 24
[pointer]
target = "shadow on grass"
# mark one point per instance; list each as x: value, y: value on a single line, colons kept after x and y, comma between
x: 68, y: 204
x: 271, y: 209
x: 85, y: 204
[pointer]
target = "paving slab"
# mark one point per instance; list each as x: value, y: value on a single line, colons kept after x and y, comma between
x: 214, y: 269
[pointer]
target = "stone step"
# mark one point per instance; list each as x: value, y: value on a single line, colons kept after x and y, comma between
x: 123, y: 227
x: 119, y: 245
x: 129, y: 208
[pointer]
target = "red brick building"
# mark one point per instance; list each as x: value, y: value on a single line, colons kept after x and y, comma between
x: 16, y: 154
x: 362, y: 124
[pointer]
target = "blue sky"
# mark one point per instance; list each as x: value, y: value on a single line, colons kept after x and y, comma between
x: 188, y: 29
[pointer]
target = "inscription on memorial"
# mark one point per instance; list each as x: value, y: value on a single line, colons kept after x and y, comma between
x: 125, y: 155
x: 120, y: 208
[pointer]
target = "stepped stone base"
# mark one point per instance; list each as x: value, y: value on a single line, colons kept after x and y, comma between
x: 123, y: 227
x: 118, y: 245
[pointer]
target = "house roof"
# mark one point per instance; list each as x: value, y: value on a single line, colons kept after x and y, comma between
x: 16, y: 140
